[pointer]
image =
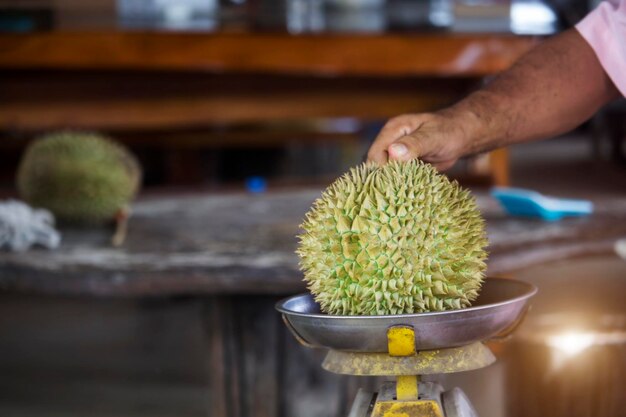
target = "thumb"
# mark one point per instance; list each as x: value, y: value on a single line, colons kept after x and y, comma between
x: 404, y: 149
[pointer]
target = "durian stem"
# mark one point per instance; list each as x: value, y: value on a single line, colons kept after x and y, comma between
x: 121, y: 227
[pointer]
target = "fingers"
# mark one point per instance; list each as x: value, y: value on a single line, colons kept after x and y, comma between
x: 376, y: 155
x: 405, y: 149
x: 411, y: 147
x: 409, y: 137
x: 395, y: 129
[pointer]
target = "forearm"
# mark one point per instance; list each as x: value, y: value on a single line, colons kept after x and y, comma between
x: 551, y: 90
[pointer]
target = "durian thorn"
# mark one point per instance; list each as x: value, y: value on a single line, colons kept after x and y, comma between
x: 121, y: 226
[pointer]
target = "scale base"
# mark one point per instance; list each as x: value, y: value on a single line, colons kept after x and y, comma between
x: 432, y: 401
x: 427, y: 362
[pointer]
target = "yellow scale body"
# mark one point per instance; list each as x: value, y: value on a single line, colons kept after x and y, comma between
x: 401, y: 343
x: 402, y: 397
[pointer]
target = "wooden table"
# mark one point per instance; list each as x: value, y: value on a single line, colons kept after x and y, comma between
x: 236, y: 251
x: 245, y: 243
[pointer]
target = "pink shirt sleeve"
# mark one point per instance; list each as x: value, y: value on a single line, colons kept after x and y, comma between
x: 605, y: 30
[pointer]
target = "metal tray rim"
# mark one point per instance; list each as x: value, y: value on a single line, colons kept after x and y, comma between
x: 531, y: 291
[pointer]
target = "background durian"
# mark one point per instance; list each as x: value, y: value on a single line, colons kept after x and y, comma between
x: 395, y: 239
x: 82, y: 178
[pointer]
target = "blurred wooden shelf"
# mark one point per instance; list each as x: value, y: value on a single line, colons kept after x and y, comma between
x: 178, y: 110
x: 123, y: 80
x: 384, y: 55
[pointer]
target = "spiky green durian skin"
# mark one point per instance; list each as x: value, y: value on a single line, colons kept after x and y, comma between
x: 83, y: 178
x: 395, y: 239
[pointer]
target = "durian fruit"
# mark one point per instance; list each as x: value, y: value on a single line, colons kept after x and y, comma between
x: 82, y: 178
x: 393, y: 239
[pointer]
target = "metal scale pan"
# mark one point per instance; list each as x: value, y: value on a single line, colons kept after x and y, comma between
x: 497, y: 311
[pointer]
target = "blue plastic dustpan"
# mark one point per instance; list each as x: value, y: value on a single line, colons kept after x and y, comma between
x: 528, y: 203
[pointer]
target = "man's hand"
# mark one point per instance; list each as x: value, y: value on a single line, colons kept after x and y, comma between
x: 552, y: 89
x: 439, y: 138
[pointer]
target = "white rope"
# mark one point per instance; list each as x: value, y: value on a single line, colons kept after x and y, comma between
x: 22, y: 227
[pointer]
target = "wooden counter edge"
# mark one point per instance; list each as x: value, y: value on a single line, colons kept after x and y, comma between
x: 324, y: 55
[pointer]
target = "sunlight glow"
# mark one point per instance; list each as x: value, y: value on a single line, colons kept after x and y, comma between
x: 572, y: 343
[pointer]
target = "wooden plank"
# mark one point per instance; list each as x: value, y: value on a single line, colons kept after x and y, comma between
x: 217, y: 366
x: 499, y: 164
x: 43, y: 100
x: 328, y: 55
x: 185, y: 112
x: 260, y: 328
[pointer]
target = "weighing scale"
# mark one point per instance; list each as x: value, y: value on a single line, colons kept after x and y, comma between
x: 407, y: 346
